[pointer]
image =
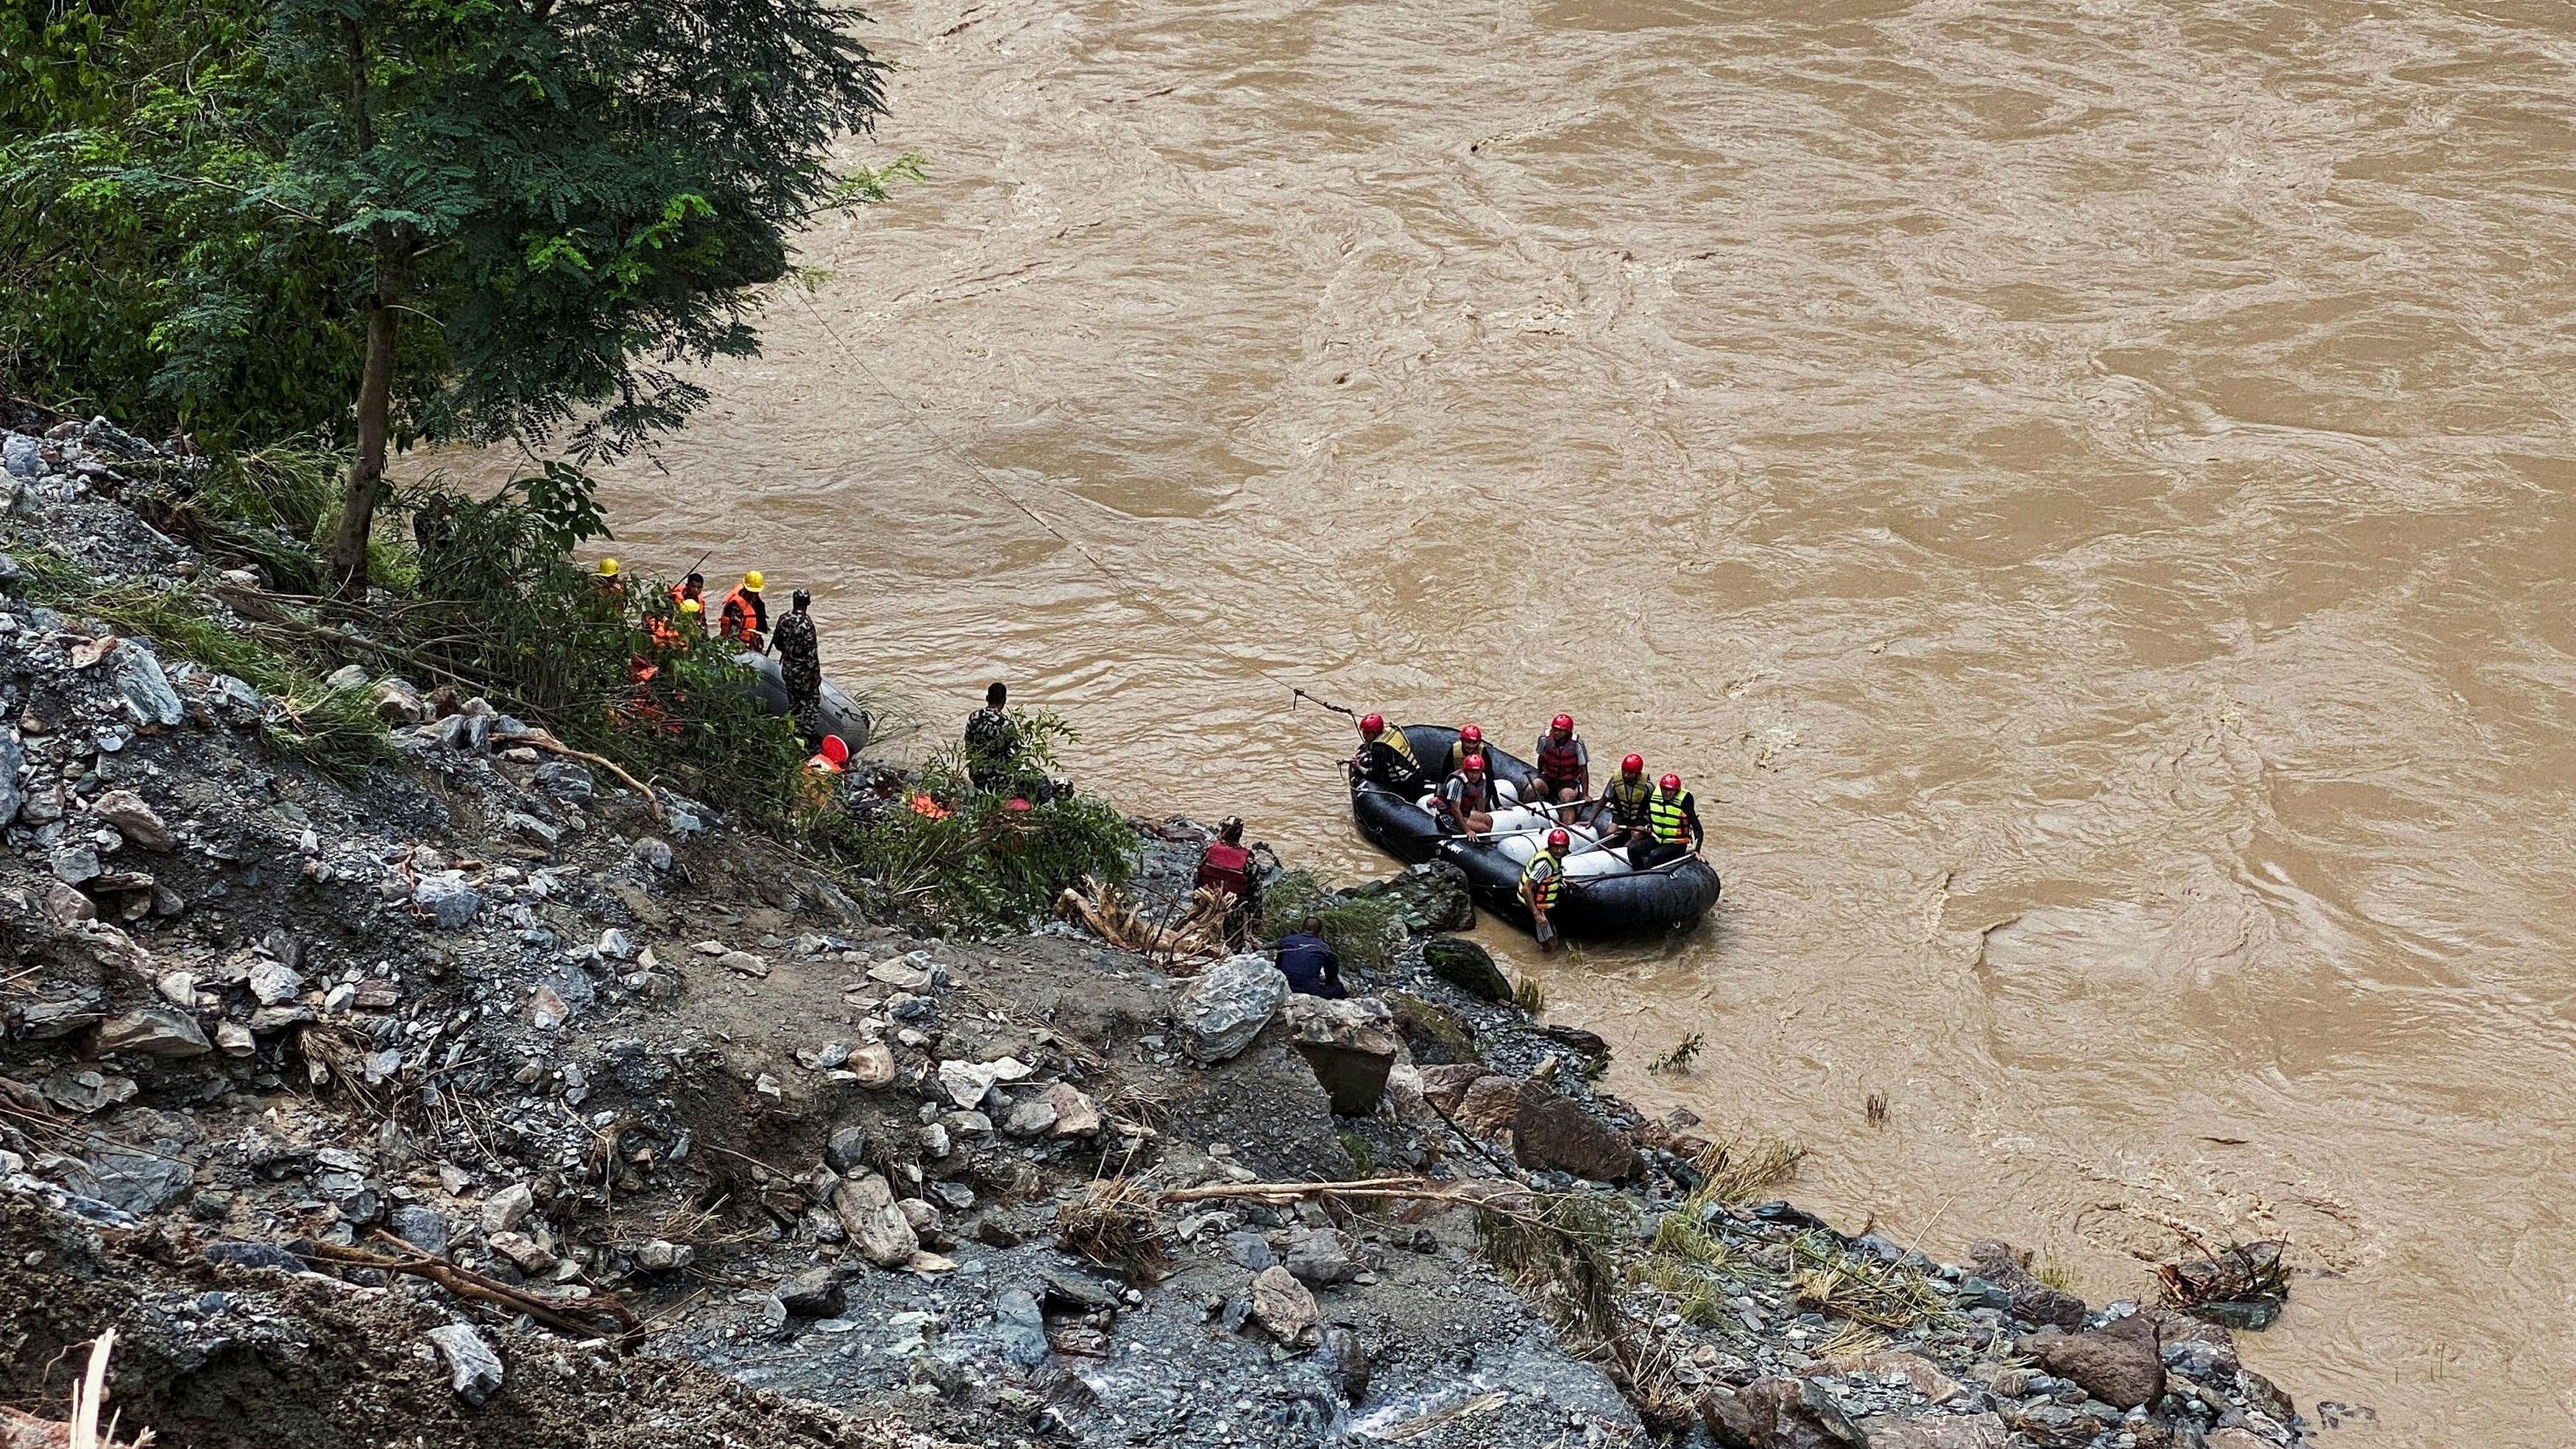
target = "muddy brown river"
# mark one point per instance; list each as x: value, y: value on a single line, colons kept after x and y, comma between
x: 2081, y: 488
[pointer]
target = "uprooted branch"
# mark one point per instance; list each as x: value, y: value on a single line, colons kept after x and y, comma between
x: 466, y: 1284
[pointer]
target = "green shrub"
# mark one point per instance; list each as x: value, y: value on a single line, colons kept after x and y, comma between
x: 1365, y: 931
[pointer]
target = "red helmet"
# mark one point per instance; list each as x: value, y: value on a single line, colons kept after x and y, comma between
x: 1561, y: 722
x: 836, y: 749
x: 1371, y: 723
x: 1671, y: 782
x: 1472, y: 734
x: 1475, y: 763
x: 1558, y: 840
x: 1632, y: 764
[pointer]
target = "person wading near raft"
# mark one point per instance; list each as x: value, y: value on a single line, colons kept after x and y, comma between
x: 1542, y: 881
x: 992, y: 741
x: 1467, y: 799
x: 744, y: 619
x: 1226, y: 868
x: 1564, y: 765
x: 1310, y: 966
x: 1672, y: 818
x: 823, y: 772
x: 1386, y: 757
x: 800, y: 664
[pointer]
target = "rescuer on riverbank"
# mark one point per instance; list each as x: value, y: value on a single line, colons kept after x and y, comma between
x: 1310, y: 965
x: 744, y: 620
x: 800, y: 664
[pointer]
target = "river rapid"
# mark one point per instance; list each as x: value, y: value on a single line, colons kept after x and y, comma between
x: 2079, y: 487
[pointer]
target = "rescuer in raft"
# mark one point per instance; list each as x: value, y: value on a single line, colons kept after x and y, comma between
x: 1672, y: 824
x: 1466, y: 802
x: 1470, y: 741
x: 1564, y: 765
x: 1386, y: 758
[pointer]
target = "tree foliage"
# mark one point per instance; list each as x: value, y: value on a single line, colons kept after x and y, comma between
x: 464, y: 220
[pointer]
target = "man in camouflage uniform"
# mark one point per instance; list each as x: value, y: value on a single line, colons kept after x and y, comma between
x: 992, y: 742
x: 800, y: 664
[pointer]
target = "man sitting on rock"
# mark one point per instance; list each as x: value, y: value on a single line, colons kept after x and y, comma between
x: 1310, y: 966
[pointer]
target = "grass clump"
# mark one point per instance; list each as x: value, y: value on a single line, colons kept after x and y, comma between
x: 1365, y: 931
x: 1744, y: 1166
x: 1529, y: 995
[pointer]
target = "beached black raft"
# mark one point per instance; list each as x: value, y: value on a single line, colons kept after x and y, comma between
x: 1612, y: 897
x: 841, y: 714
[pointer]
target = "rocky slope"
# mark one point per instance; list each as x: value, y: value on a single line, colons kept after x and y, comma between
x: 481, y: 1100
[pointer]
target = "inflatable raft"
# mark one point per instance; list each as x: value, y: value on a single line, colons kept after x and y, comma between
x: 841, y: 714
x: 1607, y: 896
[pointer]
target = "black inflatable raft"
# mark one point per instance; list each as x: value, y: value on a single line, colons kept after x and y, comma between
x: 841, y: 714
x: 1606, y: 898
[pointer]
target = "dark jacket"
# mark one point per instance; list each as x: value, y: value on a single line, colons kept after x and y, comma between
x: 1310, y: 966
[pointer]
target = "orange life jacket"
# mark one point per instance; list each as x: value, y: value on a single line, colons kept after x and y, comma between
x: 736, y: 620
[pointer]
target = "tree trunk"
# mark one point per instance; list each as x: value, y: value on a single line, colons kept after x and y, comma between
x: 367, y: 470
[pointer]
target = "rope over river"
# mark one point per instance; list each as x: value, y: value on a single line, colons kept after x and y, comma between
x: 2079, y: 488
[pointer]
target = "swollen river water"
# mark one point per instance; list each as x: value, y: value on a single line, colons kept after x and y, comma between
x: 2081, y: 489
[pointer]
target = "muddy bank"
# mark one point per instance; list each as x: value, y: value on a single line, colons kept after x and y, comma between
x: 482, y: 1099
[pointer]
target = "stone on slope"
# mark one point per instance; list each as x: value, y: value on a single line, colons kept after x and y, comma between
x: 1227, y: 1006
x: 1352, y: 1045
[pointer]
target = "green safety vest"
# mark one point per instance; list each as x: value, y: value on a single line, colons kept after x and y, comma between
x: 1670, y: 818
x: 1541, y: 879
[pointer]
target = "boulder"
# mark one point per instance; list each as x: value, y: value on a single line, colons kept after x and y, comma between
x: 872, y: 1062
x: 1778, y: 1414
x: 2032, y: 1300
x: 1445, y: 1086
x: 474, y: 1370
x: 1467, y: 966
x: 1434, y: 896
x: 1226, y: 1007
x: 814, y: 1293
x: 154, y: 1031
x: 74, y: 863
x: 1030, y: 1117
x: 1320, y: 1257
x: 1282, y: 1306
x: 1936, y: 1431
x: 447, y: 901
x: 1490, y: 1104
x: 397, y: 703
x: 274, y: 983
x: 1021, y: 1327
x: 2117, y: 1363
x: 138, y: 1181
x: 1352, y: 1045
x: 968, y: 1083
x: 503, y: 1211
x: 847, y: 1149
x: 866, y: 1207
x: 139, y: 823
x: 146, y: 688
x: 423, y: 1228
x: 12, y: 760
x: 1551, y: 1132
x: 1076, y: 1115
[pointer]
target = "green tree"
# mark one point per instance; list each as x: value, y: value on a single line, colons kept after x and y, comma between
x: 513, y: 218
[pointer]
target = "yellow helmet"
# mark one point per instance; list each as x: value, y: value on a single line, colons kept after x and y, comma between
x: 692, y: 606
x: 608, y: 568
x: 751, y: 581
